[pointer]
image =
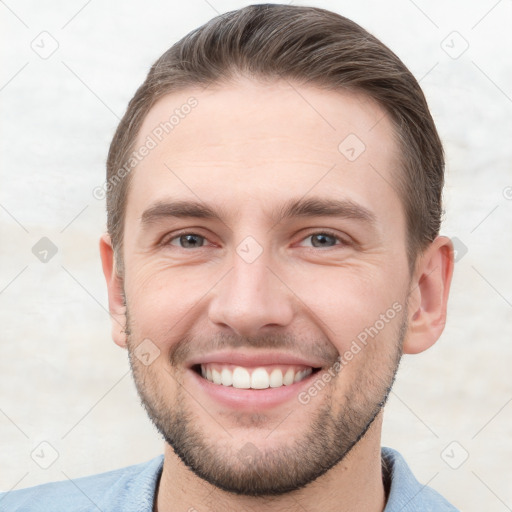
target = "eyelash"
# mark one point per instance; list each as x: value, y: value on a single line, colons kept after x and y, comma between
x: 343, y: 242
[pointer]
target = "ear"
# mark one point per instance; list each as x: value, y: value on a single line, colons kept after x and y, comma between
x: 115, y: 291
x: 428, y: 296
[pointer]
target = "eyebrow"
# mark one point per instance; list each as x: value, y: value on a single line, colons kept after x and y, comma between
x: 312, y: 207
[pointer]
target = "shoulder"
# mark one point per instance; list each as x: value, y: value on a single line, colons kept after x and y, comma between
x: 129, y: 488
x: 406, y: 494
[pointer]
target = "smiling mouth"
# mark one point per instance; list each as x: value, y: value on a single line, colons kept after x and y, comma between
x: 260, y: 377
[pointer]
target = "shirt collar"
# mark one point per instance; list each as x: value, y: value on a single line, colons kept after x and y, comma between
x: 139, y: 491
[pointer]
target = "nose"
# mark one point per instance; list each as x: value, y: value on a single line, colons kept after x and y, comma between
x: 251, y: 298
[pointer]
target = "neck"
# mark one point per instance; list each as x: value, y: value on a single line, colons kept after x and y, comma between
x: 353, y: 484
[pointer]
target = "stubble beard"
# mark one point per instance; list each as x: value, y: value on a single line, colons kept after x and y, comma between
x: 253, y: 471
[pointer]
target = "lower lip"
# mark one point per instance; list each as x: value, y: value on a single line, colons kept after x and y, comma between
x: 250, y: 399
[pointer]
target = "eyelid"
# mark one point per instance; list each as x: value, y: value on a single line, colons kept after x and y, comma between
x: 343, y: 241
x: 169, y: 237
x: 166, y: 240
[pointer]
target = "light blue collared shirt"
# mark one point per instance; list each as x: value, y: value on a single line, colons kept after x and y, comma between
x: 132, y: 489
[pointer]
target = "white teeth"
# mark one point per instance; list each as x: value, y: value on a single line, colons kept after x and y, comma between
x: 276, y: 378
x: 259, y: 378
x: 288, y: 377
x: 226, y: 377
x: 241, y: 378
x: 216, y: 376
x: 302, y: 374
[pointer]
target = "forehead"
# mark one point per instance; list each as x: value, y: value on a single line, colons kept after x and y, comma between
x: 251, y: 141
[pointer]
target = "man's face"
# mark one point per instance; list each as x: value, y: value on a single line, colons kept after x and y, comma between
x: 262, y: 285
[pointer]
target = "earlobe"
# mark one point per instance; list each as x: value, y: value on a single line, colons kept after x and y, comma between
x: 116, y: 304
x: 428, y: 296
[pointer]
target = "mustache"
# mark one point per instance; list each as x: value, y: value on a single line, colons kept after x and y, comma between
x: 189, y: 345
x: 307, y: 348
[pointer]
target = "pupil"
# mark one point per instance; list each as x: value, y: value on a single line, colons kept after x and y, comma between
x: 190, y: 241
x: 323, y: 240
x: 193, y: 240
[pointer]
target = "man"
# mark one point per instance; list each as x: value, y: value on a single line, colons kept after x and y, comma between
x: 274, y: 200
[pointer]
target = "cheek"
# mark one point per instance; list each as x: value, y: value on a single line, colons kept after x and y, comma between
x: 346, y: 300
x: 369, y: 359
x: 163, y: 300
x: 166, y: 304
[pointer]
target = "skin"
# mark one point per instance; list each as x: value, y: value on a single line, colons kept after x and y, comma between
x: 239, y: 152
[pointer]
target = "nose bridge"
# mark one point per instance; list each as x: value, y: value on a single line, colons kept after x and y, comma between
x: 251, y: 296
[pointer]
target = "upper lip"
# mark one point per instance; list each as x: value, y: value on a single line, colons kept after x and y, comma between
x: 255, y: 359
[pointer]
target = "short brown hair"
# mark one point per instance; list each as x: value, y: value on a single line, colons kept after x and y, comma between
x: 310, y: 46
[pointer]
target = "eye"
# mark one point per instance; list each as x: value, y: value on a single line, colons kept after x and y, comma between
x: 321, y: 239
x: 324, y: 239
x: 187, y: 241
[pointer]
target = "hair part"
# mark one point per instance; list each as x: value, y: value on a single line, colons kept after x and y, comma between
x: 309, y: 46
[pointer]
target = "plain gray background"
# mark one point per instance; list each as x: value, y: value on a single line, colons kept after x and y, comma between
x: 65, y: 384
